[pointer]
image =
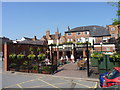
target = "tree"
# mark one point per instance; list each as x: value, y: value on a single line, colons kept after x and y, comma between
x: 116, y: 21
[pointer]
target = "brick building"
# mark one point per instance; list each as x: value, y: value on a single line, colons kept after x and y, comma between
x: 22, y: 47
x: 93, y: 33
x: 51, y: 38
x: 114, y: 31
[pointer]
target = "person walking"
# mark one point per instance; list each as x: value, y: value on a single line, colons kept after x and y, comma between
x: 72, y: 58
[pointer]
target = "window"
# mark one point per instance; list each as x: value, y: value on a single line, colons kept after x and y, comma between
x: 78, y: 40
x: 69, y: 33
x: 86, y: 32
x: 107, y: 49
x: 113, y: 74
x: 78, y: 33
x: 112, y: 29
x: 69, y: 40
x: 112, y: 35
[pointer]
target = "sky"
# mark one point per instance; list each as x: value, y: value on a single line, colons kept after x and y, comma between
x: 29, y: 19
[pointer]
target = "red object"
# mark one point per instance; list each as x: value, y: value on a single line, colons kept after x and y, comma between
x: 113, y: 78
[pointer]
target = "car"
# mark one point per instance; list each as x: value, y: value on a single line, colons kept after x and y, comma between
x: 112, y: 78
x: 101, y: 78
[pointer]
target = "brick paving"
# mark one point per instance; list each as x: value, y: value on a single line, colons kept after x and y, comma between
x: 71, y: 70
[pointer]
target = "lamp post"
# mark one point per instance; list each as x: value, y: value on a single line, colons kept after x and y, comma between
x: 87, y: 54
x: 118, y: 31
x: 101, y: 46
x: 52, y: 57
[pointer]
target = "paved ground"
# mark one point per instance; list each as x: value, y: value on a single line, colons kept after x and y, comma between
x: 69, y: 77
x: 71, y: 70
x: 25, y: 80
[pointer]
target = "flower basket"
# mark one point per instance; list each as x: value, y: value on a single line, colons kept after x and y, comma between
x: 41, y: 56
x: 31, y: 56
x: 20, y: 56
x: 12, y: 56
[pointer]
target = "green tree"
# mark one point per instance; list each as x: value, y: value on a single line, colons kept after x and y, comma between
x: 116, y: 21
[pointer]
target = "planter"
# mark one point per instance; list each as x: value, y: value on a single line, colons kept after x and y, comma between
x: 22, y: 70
x: 12, y: 69
x: 34, y: 71
x: 45, y: 72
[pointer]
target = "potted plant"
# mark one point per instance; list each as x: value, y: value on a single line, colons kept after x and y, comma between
x: 46, y: 70
x: 12, y: 67
x: 35, y: 69
x: 24, y: 66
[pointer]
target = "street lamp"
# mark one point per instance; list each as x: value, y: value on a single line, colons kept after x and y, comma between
x: 87, y: 54
x: 118, y: 31
x: 101, y: 46
x: 51, y: 47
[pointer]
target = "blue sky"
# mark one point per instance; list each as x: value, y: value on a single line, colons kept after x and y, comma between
x: 29, y: 19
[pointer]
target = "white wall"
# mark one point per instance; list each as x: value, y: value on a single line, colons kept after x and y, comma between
x: 50, y: 42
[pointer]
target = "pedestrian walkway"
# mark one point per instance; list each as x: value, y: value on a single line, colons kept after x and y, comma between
x: 71, y: 70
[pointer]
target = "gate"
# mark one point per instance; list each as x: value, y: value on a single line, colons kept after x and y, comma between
x: 106, y: 64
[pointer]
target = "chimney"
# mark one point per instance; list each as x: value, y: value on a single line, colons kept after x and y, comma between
x: 68, y: 28
x: 47, y: 34
x: 57, y: 34
x: 34, y: 38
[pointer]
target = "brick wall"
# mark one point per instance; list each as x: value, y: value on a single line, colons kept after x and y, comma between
x: 10, y: 48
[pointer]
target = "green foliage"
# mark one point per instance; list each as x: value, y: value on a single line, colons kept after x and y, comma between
x: 38, y: 49
x: 97, y: 55
x: 12, y: 56
x: 31, y: 56
x: 117, y: 4
x: 68, y: 42
x: 46, y: 68
x: 78, y: 43
x: 25, y: 63
x: 31, y: 50
x: 116, y: 22
x: 12, y: 65
x: 41, y: 56
x: 54, y: 44
x: 20, y: 56
x: 35, y: 67
x: 115, y: 55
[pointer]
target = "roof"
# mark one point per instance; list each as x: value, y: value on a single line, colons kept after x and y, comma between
x: 52, y: 36
x: 93, y: 29
x: 37, y: 42
x: 27, y: 38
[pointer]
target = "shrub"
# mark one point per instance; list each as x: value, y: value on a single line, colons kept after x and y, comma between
x: 12, y: 65
x: 35, y: 67
x: 46, y: 68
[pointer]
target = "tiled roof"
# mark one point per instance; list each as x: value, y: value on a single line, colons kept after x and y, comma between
x: 52, y: 36
x: 94, y: 30
x: 37, y: 42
